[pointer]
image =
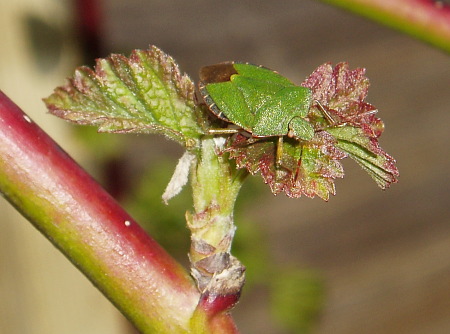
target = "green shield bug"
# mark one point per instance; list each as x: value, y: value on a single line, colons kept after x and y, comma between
x: 258, y: 100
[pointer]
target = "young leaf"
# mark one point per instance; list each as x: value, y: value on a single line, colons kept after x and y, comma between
x: 347, y: 127
x: 367, y: 153
x: 309, y: 168
x: 357, y: 128
x: 144, y: 93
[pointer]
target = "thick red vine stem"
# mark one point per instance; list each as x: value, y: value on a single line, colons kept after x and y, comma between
x: 428, y: 20
x: 36, y: 176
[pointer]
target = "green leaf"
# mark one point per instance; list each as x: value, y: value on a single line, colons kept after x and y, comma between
x: 144, y: 93
x: 367, y: 153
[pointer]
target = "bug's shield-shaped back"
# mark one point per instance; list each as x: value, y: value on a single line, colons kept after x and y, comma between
x: 276, y: 117
x: 257, y: 99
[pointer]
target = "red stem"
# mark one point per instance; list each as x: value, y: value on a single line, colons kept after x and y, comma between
x: 428, y: 20
x: 92, y: 230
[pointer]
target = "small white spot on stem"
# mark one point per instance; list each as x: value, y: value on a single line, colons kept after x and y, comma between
x: 28, y: 119
x: 127, y: 223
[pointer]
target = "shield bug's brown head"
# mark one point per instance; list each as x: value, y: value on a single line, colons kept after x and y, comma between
x: 217, y: 73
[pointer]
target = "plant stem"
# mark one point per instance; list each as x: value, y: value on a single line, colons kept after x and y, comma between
x: 215, y: 184
x: 424, y: 19
x: 145, y: 283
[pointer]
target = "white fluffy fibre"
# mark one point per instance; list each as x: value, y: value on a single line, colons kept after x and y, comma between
x: 179, y: 177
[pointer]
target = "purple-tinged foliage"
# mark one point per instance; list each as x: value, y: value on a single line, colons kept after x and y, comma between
x: 310, y: 167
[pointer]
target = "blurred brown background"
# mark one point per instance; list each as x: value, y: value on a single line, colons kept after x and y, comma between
x: 385, y: 256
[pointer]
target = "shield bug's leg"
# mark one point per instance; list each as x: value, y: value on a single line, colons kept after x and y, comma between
x: 222, y: 131
x: 279, y: 150
x: 299, y: 164
x: 326, y: 113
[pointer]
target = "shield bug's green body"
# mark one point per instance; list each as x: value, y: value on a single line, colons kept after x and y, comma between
x: 257, y: 99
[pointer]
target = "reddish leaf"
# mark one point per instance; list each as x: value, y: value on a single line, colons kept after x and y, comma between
x: 310, y: 167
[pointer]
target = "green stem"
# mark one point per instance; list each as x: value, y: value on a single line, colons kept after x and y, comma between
x: 145, y: 283
x: 424, y: 19
x: 215, y: 185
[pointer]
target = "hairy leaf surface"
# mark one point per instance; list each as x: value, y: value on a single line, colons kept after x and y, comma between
x: 144, y: 93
